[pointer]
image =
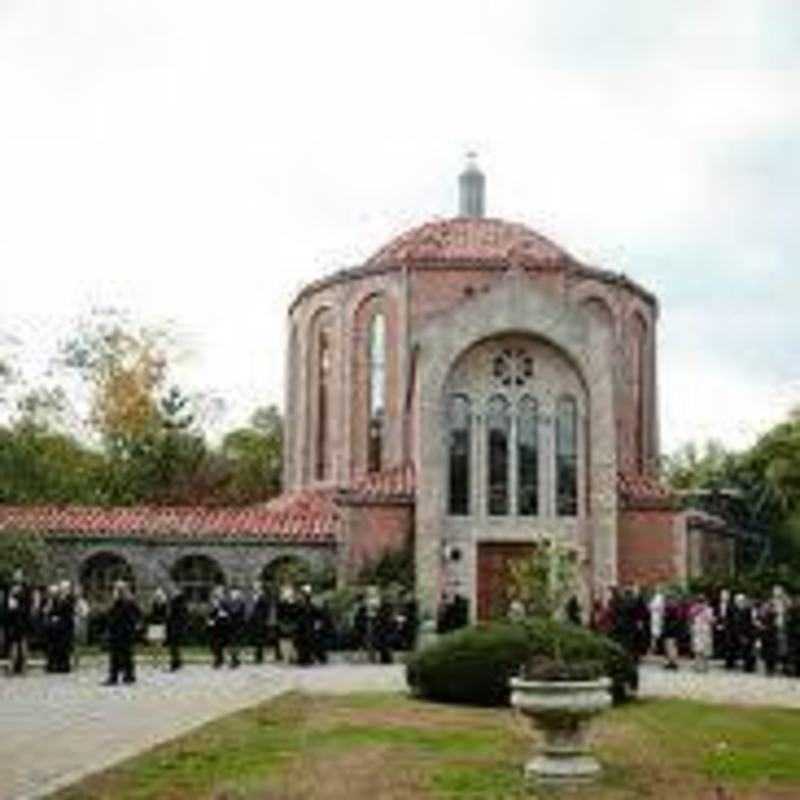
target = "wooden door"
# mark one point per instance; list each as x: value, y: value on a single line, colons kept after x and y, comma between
x: 493, y: 561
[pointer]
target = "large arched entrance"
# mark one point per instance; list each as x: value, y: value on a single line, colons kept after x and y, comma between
x: 515, y: 412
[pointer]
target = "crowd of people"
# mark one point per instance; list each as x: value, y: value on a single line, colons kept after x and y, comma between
x: 55, y: 616
x: 298, y: 627
x: 736, y: 629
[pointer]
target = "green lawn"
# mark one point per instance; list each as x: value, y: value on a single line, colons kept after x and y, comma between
x: 388, y: 747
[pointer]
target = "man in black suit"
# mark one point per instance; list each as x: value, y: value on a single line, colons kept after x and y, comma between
x: 177, y: 621
x: 259, y: 617
x: 18, y: 621
x: 124, y: 618
x: 235, y: 607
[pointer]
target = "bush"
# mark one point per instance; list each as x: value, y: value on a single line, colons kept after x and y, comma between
x: 581, y: 645
x: 474, y: 665
x: 470, y: 665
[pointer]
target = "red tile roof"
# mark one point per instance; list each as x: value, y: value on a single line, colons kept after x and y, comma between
x: 469, y: 239
x: 305, y: 516
x: 642, y: 490
x: 393, y: 483
x: 292, y: 523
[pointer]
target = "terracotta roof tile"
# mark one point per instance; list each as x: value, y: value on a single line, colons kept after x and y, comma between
x: 305, y: 516
x: 469, y: 239
x: 636, y: 489
x: 294, y: 523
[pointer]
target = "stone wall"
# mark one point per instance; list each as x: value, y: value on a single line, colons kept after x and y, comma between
x: 151, y: 562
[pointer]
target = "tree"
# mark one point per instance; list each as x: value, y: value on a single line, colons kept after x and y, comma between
x: 124, y: 366
x: 255, y: 454
x: 545, y: 580
x: 693, y: 467
x: 26, y: 551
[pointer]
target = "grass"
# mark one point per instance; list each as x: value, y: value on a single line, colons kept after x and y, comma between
x: 389, y: 747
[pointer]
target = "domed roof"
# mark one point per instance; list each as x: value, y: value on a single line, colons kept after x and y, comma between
x: 470, y: 240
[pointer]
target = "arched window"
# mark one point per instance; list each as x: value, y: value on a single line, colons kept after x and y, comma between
x: 286, y: 570
x: 459, y: 422
x: 323, y: 398
x: 197, y: 576
x: 639, y: 337
x: 99, y: 574
x: 377, y: 391
x: 527, y: 457
x: 567, y: 457
x: 292, y: 371
x: 498, y: 424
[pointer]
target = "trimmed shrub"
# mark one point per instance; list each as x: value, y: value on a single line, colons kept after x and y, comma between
x: 474, y: 665
x: 578, y: 644
x: 470, y: 665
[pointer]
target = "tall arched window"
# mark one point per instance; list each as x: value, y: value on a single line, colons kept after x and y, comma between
x: 377, y: 391
x: 323, y: 391
x: 567, y: 457
x: 527, y: 457
x: 498, y: 425
x: 459, y: 422
x: 639, y: 338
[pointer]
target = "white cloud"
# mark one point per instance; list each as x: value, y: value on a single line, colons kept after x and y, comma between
x: 200, y: 162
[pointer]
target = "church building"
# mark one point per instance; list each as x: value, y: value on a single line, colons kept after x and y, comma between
x: 470, y: 391
x: 512, y: 387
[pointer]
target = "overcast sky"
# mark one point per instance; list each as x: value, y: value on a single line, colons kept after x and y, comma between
x: 200, y: 161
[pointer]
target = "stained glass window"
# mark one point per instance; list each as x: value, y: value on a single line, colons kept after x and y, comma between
x: 567, y: 457
x: 498, y: 423
x: 527, y: 457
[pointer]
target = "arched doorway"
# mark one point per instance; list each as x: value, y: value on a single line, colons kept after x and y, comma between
x: 100, y: 572
x: 197, y: 576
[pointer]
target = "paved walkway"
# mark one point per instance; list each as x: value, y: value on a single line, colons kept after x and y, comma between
x: 58, y: 728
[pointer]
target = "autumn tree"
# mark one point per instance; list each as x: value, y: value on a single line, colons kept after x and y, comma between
x: 124, y: 366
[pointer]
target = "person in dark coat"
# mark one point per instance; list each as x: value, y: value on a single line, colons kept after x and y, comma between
x: 744, y: 633
x: 237, y: 617
x: 324, y: 632
x: 444, y: 614
x: 177, y: 621
x: 360, y: 625
x: 288, y: 613
x: 51, y: 629
x: 623, y: 629
x: 793, y: 637
x: 258, y: 623
x: 124, y: 619
x: 218, y: 626
x: 18, y: 622
x: 573, y: 611
x: 460, y: 612
x: 384, y: 632
x: 768, y: 635
x: 304, y: 628
x: 721, y: 619
x: 65, y: 634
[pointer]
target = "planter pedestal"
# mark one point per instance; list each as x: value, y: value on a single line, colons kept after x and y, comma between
x: 562, y: 711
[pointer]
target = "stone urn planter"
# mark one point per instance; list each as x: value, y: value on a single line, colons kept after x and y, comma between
x: 562, y: 711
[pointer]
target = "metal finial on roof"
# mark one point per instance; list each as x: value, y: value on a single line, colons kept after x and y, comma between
x: 472, y: 185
